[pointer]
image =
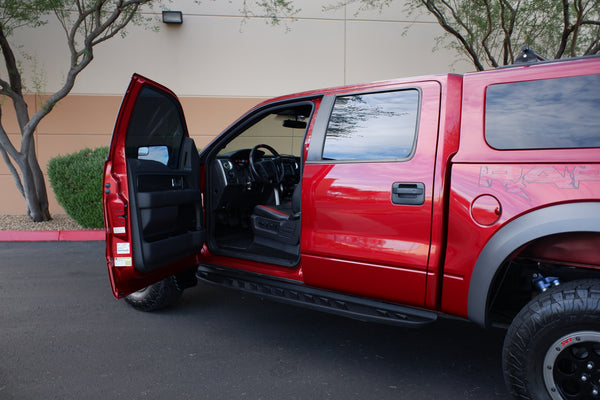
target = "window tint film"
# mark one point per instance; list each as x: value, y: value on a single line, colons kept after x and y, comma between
x: 544, y: 114
x: 156, y: 121
x: 373, y: 126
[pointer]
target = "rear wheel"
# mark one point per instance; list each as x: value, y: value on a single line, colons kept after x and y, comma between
x: 552, y: 348
x: 154, y: 297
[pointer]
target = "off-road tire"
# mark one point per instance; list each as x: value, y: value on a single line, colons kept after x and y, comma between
x: 157, y: 296
x: 542, y: 356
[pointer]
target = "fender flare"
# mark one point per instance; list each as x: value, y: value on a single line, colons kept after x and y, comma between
x: 562, y: 218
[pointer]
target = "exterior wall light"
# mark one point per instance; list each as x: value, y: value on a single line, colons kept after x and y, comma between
x: 172, y: 17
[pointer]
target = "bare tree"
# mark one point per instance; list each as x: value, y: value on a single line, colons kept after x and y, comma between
x: 86, y: 24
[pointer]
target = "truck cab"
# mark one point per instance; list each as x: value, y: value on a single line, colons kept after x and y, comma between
x: 299, y: 189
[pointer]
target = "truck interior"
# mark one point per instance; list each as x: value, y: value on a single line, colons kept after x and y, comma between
x: 253, y: 187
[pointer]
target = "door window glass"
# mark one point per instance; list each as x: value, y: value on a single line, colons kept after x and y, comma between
x: 376, y: 126
x: 156, y: 122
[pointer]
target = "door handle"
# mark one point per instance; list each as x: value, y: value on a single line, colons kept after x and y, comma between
x: 408, y: 193
x: 177, y: 182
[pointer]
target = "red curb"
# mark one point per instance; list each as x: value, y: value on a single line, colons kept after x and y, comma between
x: 37, y: 236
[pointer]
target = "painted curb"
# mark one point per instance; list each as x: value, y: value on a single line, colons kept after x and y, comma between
x: 48, y: 236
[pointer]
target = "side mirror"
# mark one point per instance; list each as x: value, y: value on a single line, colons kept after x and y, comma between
x: 154, y: 153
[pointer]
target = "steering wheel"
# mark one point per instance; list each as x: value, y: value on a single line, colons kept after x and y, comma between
x: 268, y: 170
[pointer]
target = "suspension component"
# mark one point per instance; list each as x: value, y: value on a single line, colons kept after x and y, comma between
x: 542, y: 283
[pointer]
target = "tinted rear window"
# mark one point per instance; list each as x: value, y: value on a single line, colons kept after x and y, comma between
x: 544, y: 114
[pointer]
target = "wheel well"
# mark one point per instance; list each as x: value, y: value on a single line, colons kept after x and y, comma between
x: 508, y: 243
x: 566, y: 256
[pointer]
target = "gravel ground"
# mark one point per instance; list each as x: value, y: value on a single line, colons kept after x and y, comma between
x: 59, y: 222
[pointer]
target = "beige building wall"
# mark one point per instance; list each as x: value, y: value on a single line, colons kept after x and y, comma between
x: 220, y: 65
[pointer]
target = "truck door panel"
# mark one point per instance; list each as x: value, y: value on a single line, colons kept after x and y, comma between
x: 152, y: 196
x: 367, y: 227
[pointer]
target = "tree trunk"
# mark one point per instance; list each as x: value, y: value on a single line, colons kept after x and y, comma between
x: 31, y: 181
x: 41, y: 195
x: 29, y: 178
x: 34, y: 189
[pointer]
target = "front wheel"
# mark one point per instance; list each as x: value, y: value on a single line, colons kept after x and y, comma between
x: 156, y: 296
x: 552, y: 348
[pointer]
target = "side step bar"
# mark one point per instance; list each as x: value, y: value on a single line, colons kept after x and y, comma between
x: 317, y: 299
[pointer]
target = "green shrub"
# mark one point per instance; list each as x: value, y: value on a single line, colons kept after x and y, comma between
x: 77, y: 183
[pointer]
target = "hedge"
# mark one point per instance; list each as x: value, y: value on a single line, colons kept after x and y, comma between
x: 77, y: 183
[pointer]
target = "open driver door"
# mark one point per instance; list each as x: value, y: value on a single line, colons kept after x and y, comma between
x: 152, y: 196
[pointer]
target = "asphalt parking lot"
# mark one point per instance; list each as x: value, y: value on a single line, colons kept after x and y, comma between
x: 63, y: 336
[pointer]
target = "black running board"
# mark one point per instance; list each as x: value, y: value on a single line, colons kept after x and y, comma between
x: 317, y: 299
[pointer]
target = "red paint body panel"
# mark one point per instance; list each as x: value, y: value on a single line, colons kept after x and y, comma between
x: 447, y: 146
x: 519, y: 188
x: 340, y: 229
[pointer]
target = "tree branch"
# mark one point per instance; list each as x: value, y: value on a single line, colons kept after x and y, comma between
x: 11, y: 64
x: 103, y: 30
x: 589, y: 22
x: 14, y: 89
x: 119, y: 27
x: 505, y: 30
x: 509, y: 56
x: 593, y: 47
x: 5, y: 88
x: 7, y: 147
x: 448, y: 28
x: 566, y: 30
x: 579, y: 10
x: 13, y: 170
x: 456, y: 17
x: 487, y: 35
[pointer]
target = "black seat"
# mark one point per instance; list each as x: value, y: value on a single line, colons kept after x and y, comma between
x: 274, y: 225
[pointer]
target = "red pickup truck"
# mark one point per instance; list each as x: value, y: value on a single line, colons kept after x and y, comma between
x: 474, y: 196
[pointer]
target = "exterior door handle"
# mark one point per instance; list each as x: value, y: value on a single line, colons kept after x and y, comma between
x: 408, y: 193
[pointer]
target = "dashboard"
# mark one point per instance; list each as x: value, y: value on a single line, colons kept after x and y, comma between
x: 235, y: 167
x: 232, y: 186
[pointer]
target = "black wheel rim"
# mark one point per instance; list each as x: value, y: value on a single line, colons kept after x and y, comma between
x: 572, y: 366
